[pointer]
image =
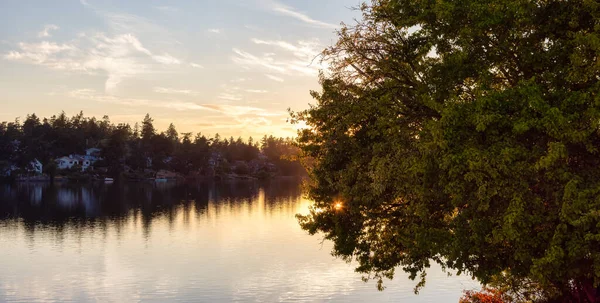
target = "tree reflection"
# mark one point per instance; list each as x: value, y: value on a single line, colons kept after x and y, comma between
x: 95, y: 207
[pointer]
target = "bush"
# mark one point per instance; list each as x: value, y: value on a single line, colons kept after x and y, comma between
x: 486, y: 295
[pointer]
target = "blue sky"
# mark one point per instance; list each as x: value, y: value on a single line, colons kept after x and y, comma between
x: 231, y: 67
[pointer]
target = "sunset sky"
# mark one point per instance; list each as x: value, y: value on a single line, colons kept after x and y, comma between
x: 231, y: 67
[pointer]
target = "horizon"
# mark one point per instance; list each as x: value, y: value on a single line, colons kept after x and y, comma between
x: 202, y: 67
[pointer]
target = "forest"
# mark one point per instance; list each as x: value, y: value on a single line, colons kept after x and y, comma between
x: 139, y: 151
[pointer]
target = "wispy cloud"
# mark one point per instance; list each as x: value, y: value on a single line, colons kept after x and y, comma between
x: 166, y: 59
x: 303, y: 49
x: 90, y: 94
x: 245, y: 58
x: 166, y: 8
x: 229, y: 97
x: 298, y: 61
x: 291, y: 12
x: 46, y: 31
x: 120, y: 56
x: 42, y: 53
x: 196, y: 65
x: 166, y: 90
x: 225, y: 110
x: 256, y: 91
x: 214, y: 30
x: 118, y: 53
x: 274, y: 78
x: 235, y: 110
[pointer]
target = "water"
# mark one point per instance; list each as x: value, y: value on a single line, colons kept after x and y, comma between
x: 165, y: 242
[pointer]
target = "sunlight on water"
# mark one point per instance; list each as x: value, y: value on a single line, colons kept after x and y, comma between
x: 205, y: 243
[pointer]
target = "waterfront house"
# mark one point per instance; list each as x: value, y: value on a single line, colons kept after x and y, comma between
x: 67, y: 162
x: 85, y: 161
x: 35, y: 166
x: 74, y: 160
x: 93, y: 152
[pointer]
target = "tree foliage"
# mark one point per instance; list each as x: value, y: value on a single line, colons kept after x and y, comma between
x: 464, y: 133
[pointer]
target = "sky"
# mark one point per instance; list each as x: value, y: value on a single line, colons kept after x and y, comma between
x: 231, y: 67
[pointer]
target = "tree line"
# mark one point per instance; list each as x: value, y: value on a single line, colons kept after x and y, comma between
x: 139, y: 147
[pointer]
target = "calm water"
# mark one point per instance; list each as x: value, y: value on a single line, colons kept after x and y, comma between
x: 165, y: 242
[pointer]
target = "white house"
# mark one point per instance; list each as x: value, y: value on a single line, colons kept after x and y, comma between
x: 86, y: 161
x: 35, y: 166
x: 67, y: 162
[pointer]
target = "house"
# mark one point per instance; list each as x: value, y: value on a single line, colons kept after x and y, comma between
x: 35, y: 166
x: 74, y: 160
x: 85, y: 161
x: 93, y: 152
x: 6, y: 170
x: 67, y: 162
x: 214, y: 159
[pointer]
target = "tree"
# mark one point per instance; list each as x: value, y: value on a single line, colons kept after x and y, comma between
x: 463, y: 133
x: 172, y: 133
x: 115, y: 152
x: 148, y: 130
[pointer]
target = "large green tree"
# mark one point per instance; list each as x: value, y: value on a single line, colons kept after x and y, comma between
x: 467, y: 133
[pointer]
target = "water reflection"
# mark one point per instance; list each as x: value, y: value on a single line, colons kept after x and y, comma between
x: 168, y: 242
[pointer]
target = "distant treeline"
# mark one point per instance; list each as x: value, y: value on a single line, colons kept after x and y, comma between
x: 141, y: 147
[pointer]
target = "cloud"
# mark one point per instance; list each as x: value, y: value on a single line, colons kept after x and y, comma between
x: 195, y: 65
x: 274, y: 78
x: 165, y: 8
x: 214, y: 30
x: 124, y: 23
x: 245, y: 58
x: 229, y: 97
x: 304, y: 49
x: 238, y: 116
x: 166, y: 59
x: 120, y: 57
x: 41, y: 53
x: 256, y: 91
x: 46, y: 31
x: 165, y: 90
x: 236, y: 110
x: 90, y: 94
x: 290, y: 12
x: 298, y: 61
x: 118, y: 54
